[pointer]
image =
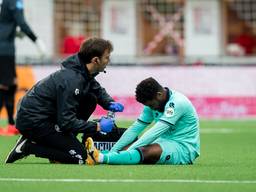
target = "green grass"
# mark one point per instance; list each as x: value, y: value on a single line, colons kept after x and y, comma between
x: 227, y: 153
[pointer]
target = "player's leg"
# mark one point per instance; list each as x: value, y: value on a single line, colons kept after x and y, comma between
x: 149, y: 154
x: 10, y: 103
x: 60, y: 147
x: 161, y: 152
x: 63, y: 148
x: 8, y: 82
x: 2, y: 130
x: 114, y: 158
x: 3, y: 84
x: 173, y: 153
x: 8, y: 100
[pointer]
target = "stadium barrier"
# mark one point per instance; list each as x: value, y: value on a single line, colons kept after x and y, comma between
x: 216, y: 92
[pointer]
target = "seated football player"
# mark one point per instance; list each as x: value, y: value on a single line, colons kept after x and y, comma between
x: 173, y: 139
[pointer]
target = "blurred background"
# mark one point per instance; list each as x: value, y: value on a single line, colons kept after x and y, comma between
x: 203, y: 48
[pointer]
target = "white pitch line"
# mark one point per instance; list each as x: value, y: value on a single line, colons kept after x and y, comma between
x: 130, y: 181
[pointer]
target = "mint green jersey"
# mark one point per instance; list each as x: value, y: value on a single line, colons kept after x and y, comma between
x: 179, y: 123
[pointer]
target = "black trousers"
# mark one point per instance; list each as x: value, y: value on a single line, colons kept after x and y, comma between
x: 60, y: 147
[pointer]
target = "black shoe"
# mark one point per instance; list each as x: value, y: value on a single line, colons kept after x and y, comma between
x: 17, y: 152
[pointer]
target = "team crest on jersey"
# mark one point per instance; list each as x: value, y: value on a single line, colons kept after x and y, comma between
x: 171, y: 104
x: 169, y: 112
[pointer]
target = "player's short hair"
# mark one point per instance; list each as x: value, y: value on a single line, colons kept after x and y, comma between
x: 94, y: 47
x: 147, y: 90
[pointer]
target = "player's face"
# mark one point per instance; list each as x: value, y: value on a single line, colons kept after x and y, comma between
x: 158, y: 103
x: 103, y: 62
x: 155, y: 104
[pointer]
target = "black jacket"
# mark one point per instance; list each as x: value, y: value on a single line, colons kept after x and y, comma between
x: 55, y: 100
x: 11, y: 16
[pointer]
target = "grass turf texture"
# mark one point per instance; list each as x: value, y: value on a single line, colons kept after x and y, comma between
x: 227, y: 154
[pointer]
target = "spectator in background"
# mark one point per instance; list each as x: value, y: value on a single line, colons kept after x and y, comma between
x: 11, y: 17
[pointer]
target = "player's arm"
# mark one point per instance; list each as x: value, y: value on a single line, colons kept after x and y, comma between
x: 152, y: 134
x: 166, y: 123
x: 130, y: 135
x: 18, y: 13
x: 134, y: 130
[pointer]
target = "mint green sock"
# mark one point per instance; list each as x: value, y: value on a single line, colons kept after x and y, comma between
x: 130, y: 157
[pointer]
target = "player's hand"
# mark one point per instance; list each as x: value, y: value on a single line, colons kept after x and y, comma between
x: 116, y: 107
x: 41, y: 47
x: 19, y: 34
x: 106, y: 124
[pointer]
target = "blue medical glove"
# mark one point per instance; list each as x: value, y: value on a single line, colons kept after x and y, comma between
x: 116, y: 107
x: 106, y: 124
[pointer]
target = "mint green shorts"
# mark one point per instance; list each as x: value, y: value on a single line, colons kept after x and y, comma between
x: 173, y: 153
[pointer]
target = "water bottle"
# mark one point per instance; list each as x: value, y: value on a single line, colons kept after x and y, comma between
x: 111, y: 115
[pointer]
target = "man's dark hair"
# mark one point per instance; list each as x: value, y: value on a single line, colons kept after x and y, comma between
x: 94, y: 47
x: 147, y: 90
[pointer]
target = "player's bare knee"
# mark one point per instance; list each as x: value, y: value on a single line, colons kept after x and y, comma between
x: 150, y: 153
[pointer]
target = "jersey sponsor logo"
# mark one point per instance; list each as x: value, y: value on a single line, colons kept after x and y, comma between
x: 19, y: 4
x: 169, y: 112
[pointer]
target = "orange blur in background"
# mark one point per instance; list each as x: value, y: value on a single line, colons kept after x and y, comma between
x: 26, y: 80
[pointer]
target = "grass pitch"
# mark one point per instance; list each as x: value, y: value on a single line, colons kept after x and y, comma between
x: 227, y: 163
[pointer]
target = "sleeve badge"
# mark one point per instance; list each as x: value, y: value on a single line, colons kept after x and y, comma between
x: 169, y: 112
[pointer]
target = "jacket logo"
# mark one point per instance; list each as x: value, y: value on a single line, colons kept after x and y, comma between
x: 57, y: 128
x: 77, y: 91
